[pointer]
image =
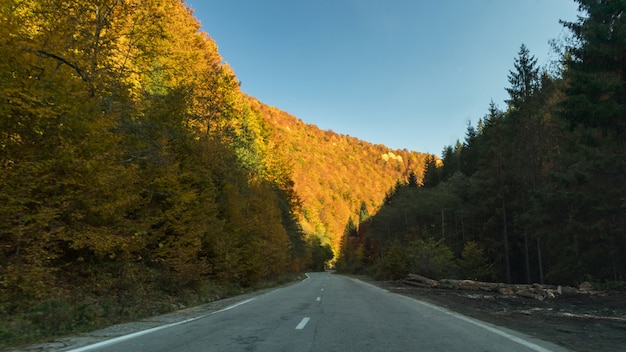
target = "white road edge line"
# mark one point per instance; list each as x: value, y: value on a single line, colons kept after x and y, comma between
x: 302, y: 323
x: 233, y: 306
x: 144, y: 332
x: 492, y: 329
x: 147, y: 331
x: 478, y: 323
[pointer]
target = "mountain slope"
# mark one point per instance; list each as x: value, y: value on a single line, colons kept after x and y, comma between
x: 333, y: 173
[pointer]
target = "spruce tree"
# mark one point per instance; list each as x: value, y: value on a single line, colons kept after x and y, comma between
x: 590, y: 182
x: 595, y: 74
x: 524, y: 80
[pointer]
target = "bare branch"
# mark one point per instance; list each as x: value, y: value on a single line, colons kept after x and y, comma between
x: 42, y: 53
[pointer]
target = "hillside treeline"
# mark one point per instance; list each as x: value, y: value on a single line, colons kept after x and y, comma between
x: 337, y: 176
x: 535, y: 193
x: 132, y: 168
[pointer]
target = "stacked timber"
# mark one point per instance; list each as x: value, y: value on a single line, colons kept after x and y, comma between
x: 534, y: 291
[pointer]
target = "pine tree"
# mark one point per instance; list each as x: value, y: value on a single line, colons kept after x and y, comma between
x: 431, y: 172
x: 589, y: 182
x: 524, y: 80
x: 468, y: 158
x: 595, y: 75
x: 363, y: 213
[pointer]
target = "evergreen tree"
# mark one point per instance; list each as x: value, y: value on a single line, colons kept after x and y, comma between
x: 589, y: 183
x: 595, y: 76
x: 524, y: 80
x: 451, y: 161
x: 351, y: 229
x: 431, y: 172
x: 363, y: 213
x: 468, y: 158
x: 412, y: 180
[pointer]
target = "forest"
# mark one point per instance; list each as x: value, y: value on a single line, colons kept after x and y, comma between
x: 135, y: 176
x: 337, y: 177
x: 535, y: 193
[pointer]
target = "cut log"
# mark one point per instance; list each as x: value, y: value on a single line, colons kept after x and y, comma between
x: 529, y: 294
x: 534, y: 291
x: 422, y: 279
x: 506, y: 291
x: 449, y: 283
x: 566, y: 290
x: 490, y: 286
x: 470, y: 285
x: 415, y: 284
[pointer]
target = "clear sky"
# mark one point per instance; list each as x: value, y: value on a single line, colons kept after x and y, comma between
x: 404, y: 73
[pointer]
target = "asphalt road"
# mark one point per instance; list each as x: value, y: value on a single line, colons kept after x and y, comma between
x: 328, y: 313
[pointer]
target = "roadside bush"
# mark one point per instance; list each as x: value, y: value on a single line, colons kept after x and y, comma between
x: 52, y: 317
x: 425, y: 257
x: 474, y: 264
x: 393, y: 264
x: 619, y: 286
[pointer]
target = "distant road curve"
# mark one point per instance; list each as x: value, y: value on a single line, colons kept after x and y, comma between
x: 328, y: 313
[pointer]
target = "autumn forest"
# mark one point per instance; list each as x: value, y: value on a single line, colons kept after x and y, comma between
x: 137, y: 177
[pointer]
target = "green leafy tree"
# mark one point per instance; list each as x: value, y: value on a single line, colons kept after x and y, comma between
x: 474, y: 264
x: 424, y: 257
x: 321, y: 254
x: 351, y: 252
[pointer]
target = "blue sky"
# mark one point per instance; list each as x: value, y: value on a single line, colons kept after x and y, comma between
x: 403, y: 73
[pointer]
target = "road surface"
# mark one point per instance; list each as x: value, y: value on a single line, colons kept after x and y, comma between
x: 328, y: 312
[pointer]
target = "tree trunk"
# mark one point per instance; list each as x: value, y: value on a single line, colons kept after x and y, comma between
x: 526, y: 257
x: 540, y: 259
x: 506, y: 243
x: 443, y: 226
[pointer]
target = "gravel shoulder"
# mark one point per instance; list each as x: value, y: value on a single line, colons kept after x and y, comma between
x: 578, y: 322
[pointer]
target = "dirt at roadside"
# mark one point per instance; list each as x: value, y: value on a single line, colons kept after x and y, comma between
x: 577, y: 322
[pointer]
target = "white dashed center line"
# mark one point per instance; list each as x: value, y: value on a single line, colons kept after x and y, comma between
x: 319, y: 299
x: 303, y: 323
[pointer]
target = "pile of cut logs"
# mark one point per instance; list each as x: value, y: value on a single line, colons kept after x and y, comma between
x: 534, y: 291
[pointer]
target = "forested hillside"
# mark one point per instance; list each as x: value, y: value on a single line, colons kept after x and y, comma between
x: 337, y: 177
x: 134, y: 174
x: 535, y: 193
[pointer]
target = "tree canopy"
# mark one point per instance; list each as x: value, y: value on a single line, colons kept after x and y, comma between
x: 534, y: 193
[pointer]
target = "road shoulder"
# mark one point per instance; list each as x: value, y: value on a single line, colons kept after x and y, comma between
x: 576, y: 323
x: 82, y: 340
